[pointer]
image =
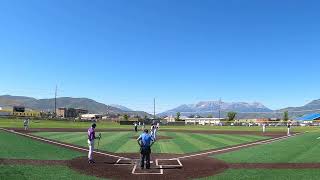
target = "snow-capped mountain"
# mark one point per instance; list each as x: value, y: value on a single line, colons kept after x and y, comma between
x: 212, y: 107
x: 123, y: 108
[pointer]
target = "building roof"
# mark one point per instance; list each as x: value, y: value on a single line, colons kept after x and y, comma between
x: 309, y: 117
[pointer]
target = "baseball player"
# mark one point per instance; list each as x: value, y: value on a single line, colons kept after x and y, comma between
x: 26, y: 124
x: 264, y: 127
x: 145, y: 142
x: 156, y: 130
x: 289, y: 127
x: 91, y: 138
x: 135, y: 126
x: 153, y: 131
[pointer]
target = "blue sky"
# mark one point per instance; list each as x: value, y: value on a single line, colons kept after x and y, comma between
x: 127, y: 52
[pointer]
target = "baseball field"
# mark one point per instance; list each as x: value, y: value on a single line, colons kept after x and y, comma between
x: 58, y: 150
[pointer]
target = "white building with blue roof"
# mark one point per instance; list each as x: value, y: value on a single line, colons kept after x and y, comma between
x: 309, y: 118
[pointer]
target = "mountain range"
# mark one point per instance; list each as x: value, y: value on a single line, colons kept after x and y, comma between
x: 123, y: 108
x: 203, y: 108
x: 243, y: 109
x: 7, y: 101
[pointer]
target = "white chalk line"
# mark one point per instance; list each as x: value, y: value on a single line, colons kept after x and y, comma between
x: 150, y: 173
x: 133, y: 162
x: 118, y: 161
x: 161, y: 170
x: 62, y: 144
x: 239, y: 146
x: 151, y: 162
x: 176, y: 159
x: 83, y: 149
x: 74, y: 147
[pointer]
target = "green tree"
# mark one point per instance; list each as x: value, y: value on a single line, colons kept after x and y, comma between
x: 178, y: 116
x: 285, y: 116
x: 231, y: 116
x: 210, y: 116
x: 126, y: 117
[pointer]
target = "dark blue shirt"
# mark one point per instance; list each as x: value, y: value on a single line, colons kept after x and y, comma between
x: 146, y: 139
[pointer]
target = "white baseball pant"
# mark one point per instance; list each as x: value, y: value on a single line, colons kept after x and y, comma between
x: 91, y: 148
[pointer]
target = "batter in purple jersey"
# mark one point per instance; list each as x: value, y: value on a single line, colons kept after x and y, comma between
x: 91, y: 138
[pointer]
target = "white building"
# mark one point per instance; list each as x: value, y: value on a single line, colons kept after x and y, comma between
x: 91, y: 116
x: 170, y: 119
x: 204, y: 121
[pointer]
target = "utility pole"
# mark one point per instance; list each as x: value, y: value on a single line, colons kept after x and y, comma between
x: 55, y: 102
x: 154, y: 108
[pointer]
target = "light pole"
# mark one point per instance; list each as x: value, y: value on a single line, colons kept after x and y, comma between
x: 154, y: 108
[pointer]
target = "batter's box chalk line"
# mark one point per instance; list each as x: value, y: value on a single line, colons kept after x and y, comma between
x: 169, y: 162
x: 147, y: 173
x: 161, y: 164
x: 127, y: 162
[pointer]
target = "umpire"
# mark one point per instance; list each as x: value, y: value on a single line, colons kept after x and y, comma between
x: 145, y: 142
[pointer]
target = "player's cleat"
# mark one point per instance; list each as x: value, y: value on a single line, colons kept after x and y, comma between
x: 91, y: 161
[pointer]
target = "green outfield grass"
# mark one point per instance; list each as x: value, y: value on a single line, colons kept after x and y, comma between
x: 123, y: 142
x: 267, y: 174
x: 28, y: 172
x: 18, y: 123
x: 300, y: 149
x: 18, y: 147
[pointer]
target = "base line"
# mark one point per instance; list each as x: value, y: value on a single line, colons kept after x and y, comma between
x: 236, y: 147
x: 61, y: 144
